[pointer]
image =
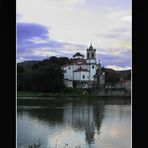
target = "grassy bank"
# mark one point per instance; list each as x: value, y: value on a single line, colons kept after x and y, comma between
x: 40, y: 98
x: 66, y: 94
x: 32, y: 94
x: 53, y: 95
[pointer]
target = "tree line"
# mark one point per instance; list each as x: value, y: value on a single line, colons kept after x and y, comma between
x: 43, y: 76
x: 47, y: 75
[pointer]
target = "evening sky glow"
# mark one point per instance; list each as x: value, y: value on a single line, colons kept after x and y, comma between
x: 63, y: 27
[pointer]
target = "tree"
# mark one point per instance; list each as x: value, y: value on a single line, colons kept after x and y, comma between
x: 20, y: 71
x: 45, y: 75
x: 78, y: 55
x: 63, y: 60
x: 37, y: 65
x: 129, y: 76
x: 20, y: 68
x: 44, y: 79
x: 53, y: 59
x: 112, y: 77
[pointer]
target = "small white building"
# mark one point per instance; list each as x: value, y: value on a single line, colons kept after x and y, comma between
x: 81, y: 72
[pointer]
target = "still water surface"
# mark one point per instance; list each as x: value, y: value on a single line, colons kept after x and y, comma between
x: 75, y: 124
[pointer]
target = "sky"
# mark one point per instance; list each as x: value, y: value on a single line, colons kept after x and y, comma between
x: 61, y: 28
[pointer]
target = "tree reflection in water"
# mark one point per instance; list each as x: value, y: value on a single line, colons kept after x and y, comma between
x: 83, y: 117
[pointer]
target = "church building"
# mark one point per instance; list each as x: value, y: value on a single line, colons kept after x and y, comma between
x: 81, y: 73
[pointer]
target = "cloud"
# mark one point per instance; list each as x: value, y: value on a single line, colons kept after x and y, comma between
x: 66, y: 27
x: 32, y: 38
x: 119, y: 33
x: 76, y: 25
x: 33, y: 42
x: 32, y: 34
x: 118, y: 67
x: 122, y: 59
x: 120, y: 4
x: 27, y: 31
x: 66, y: 2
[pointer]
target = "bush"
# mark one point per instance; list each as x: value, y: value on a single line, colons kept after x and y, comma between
x: 44, y: 79
x: 72, y: 90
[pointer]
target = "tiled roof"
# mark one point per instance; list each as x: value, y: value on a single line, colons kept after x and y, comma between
x: 66, y: 65
x: 76, y: 62
x: 81, y: 69
x: 80, y: 61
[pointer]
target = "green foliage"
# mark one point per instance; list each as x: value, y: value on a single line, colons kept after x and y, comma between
x: 37, y: 65
x: 129, y: 76
x: 27, y: 65
x: 111, y: 77
x: 63, y: 60
x: 78, y: 54
x: 72, y: 91
x: 44, y: 79
x: 47, y: 76
x: 20, y: 69
x: 52, y: 60
x: 44, y: 76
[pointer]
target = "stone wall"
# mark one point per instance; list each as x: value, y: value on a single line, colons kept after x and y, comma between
x: 68, y: 83
x: 110, y: 92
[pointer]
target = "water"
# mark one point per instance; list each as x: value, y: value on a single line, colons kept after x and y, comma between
x: 75, y: 124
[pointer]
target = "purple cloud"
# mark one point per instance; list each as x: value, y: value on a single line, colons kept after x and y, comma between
x: 29, y: 49
x: 31, y: 36
x: 119, y: 60
x: 27, y: 32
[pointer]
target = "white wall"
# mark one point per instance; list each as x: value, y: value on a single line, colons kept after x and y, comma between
x: 70, y: 75
x: 77, y: 76
x: 92, y: 71
x: 69, y: 72
x: 91, y: 61
x: 86, y: 74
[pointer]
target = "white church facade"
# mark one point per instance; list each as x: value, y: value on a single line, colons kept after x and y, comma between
x: 81, y: 73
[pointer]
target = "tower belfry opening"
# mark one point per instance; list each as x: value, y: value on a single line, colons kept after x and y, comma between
x: 91, y: 52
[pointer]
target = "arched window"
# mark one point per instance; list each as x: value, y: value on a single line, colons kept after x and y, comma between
x: 87, y: 54
x: 92, y: 55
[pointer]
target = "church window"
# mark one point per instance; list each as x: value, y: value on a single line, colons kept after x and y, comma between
x: 69, y: 67
x: 87, y: 55
x: 92, y: 55
x: 83, y: 76
x: 93, y: 67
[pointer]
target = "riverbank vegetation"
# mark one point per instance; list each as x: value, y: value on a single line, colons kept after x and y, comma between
x: 41, y: 76
x: 65, y: 92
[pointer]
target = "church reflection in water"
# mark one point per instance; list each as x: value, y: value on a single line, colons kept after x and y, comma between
x: 76, y: 122
x: 87, y: 117
x: 83, y: 116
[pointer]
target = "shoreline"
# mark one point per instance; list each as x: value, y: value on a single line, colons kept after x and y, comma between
x: 38, y: 98
x: 65, y: 95
x: 45, y: 101
x: 69, y: 97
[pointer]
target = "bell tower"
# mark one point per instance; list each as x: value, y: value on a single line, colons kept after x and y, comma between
x: 91, y: 62
x: 91, y: 54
